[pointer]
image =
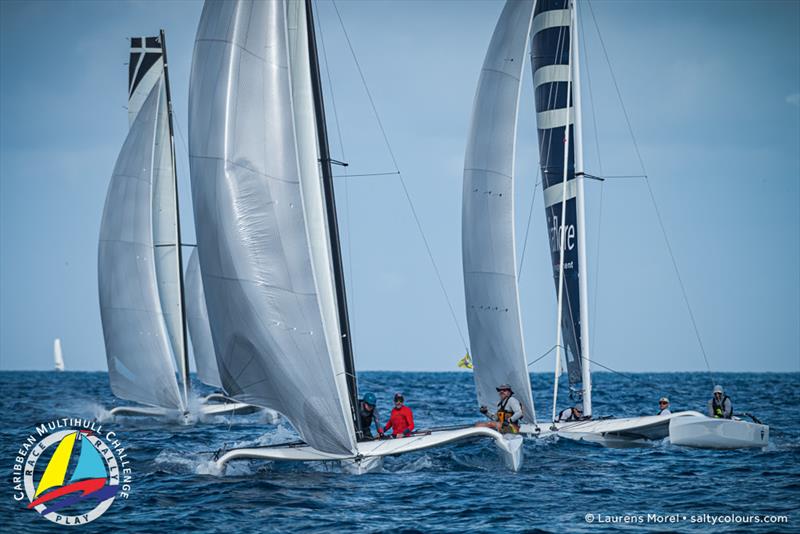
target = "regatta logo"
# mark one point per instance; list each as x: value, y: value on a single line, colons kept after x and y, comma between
x: 70, y: 471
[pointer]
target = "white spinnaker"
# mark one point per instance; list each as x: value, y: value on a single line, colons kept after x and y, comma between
x: 488, y: 247
x: 253, y: 238
x: 199, y: 329
x: 140, y: 364
x: 313, y: 194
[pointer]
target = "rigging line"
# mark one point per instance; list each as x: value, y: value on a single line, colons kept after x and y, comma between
x: 351, y: 285
x: 400, y: 176
x: 593, y: 335
x: 366, y: 174
x: 546, y: 353
x: 528, y: 226
x: 653, y: 198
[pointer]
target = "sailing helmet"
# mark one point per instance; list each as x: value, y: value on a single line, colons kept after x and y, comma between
x: 718, y: 389
x: 501, y: 387
x: 369, y: 398
x: 399, y: 397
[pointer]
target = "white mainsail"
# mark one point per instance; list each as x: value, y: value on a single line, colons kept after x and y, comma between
x: 261, y: 250
x: 58, y: 356
x: 199, y: 329
x: 488, y: 247
x: 140, y: 363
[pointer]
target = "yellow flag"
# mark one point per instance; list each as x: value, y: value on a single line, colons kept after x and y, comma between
x: 465, y: 362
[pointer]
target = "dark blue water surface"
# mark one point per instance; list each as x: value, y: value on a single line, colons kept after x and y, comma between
x: 453, y: 488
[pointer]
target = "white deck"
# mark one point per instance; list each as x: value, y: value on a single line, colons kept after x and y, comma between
x: 510, y: 447
x: 624, y: 432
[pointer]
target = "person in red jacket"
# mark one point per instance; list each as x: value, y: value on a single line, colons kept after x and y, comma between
x: 401, y: 420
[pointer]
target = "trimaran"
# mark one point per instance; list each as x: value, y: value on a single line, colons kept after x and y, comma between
x: 489, y: 255
x: 268, y: 241
x: 140, y: 274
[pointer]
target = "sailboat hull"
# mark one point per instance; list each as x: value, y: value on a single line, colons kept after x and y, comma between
x: 614, y: 433
x: 705, y: 432
x: 510, y: 447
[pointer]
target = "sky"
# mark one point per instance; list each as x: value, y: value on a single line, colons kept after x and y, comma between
x: 712, y: 90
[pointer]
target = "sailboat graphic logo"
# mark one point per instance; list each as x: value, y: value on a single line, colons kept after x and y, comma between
x: 79, y: 481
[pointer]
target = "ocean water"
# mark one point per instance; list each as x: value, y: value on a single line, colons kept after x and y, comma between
x: 462, y: 487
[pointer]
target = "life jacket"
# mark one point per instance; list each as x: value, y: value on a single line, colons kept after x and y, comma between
x: 504, y: 416
x: 719, y: 409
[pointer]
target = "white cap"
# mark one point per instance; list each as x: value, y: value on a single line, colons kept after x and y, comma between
x: 718, y: 389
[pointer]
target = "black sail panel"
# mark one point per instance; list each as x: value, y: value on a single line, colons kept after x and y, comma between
x: 550, y: 53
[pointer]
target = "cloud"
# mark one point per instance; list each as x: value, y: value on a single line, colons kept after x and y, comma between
x: 793, y: 99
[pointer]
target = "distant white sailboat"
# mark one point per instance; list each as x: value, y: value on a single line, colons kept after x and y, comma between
x: 140, y: 274
x: 489, y: 255
x: 58, y: 356
x: 268, y: 237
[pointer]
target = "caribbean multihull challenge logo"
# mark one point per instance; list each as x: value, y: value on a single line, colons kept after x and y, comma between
x: 99, y: 471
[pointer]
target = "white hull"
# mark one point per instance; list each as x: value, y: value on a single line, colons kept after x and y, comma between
x: 215, y: 404
x: 370, y: 451
x: 705, y: 432
x: 616, y: 433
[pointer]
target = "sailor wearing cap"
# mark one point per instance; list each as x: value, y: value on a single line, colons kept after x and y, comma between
x: 573, y: 413
x: 663, y: 406
x: 509, y: 412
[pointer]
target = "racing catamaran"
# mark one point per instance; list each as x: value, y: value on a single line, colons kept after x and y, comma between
x: 268, y: 238
x: 140, y: 273
x: 489, y: 254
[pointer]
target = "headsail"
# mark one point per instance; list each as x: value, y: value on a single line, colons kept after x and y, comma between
x: 259, y: 247
x: 199, y: 329
x: 551, y: 51
x: 138, y: 344
x: 489, y: 252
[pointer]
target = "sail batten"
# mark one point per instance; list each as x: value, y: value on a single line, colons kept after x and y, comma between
x: 260, y: 249
x: 488, y: 244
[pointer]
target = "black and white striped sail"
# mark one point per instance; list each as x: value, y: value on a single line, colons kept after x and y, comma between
x: 488, y: 248
x: 555, y: 88
x: 137, y: 258
x: 260, y: 218
x: 199, y: 329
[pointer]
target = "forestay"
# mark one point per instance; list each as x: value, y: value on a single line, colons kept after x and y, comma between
x: 140, y: 365
x: 488, y: 247
x: 199, y: 329
x: 550, y: 57
x: 261, y: 251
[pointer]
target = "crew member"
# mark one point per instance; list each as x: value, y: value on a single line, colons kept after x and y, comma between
x: 368, y: 415
x: 573, y: 413
x: 720, y: 405
x: 401, y: 420
x: 509, y: 412
x: 663, y: 406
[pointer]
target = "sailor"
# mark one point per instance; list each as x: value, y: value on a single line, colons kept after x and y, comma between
x: 401, y: 420
x: 663, y: 406
x: 573, y: 413
x: 509, y: 412
x: 720, y: 405
x: 368, y: 415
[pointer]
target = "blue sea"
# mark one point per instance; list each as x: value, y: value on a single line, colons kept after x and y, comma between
x: 563, y: 486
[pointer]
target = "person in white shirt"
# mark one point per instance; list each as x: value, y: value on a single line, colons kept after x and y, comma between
x: 509, y: 412
x: 663, y: 406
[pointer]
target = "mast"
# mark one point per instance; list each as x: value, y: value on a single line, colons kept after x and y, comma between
x: 562, y: 234
x: 184, y: 357
x: 333, y: 226
x: 583, y: 291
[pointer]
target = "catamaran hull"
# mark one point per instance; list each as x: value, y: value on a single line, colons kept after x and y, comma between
x: 613, y: 433
x: 709, y: 433
x: 370, y: 451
